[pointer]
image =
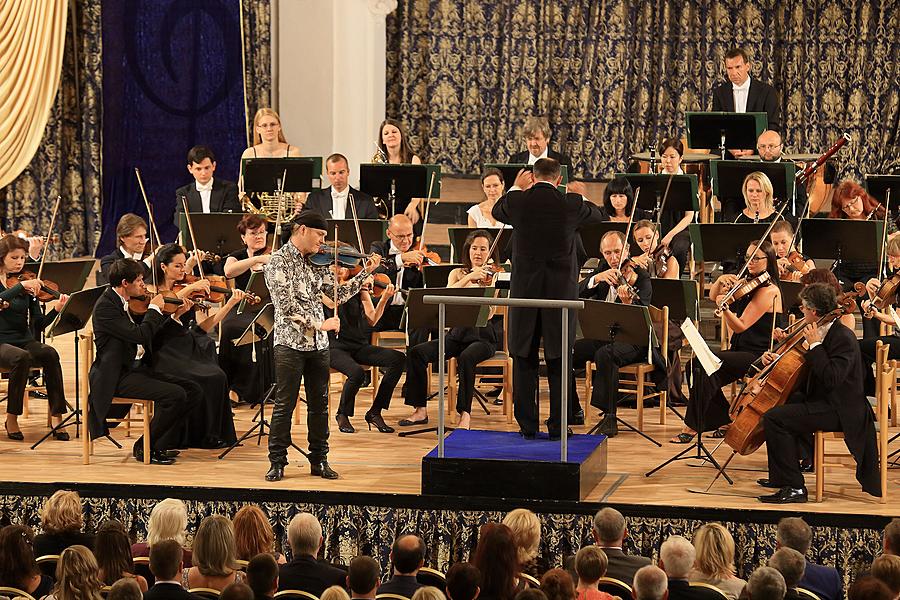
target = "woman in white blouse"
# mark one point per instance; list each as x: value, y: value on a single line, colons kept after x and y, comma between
x: 492, y: 186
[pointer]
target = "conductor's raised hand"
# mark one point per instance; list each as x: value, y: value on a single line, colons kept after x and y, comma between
x: 524, y: 179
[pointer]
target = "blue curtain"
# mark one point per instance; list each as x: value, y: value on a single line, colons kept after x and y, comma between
x: 172, y: 78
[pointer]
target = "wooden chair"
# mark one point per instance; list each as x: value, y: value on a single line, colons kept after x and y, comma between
x: 390, y: 597
x: 86, y: 347
x: 885, y: 380
x: 49, y: 560
x: 711, y: 588
x: 142, y: 567
x: 433, y: 577
x: 530, y: 580
x: 241, y: 564
x: 15, y: 593
x: 633, y: 378
x: 104, y: 591
x: 208, y: 593
x: 28, y: 388
x: 295, y: 595
x: 614, y: 587
x: 807, y: 594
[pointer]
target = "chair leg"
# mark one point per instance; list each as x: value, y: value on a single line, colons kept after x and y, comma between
x: 588, y: 376
x: 451, y: 385
x: 663, y: 398
x: 640, y: 401
x: 86, y: 436
x: 374, y: 376
x: 147, y: 418
x: 508, y: 391
x: 819, y: 465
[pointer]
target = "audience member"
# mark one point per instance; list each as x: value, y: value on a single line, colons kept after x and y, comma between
x: 868, y: 587
x: 590, y: 566
x: 18, y: 568
x: 526, y: 529
x: 166, y: 564
x: 426, y: 592
x: 886, y: 568
x: 650, y: 583
x: 714, y: 562
x: 531, y: 594
x: 214, y: 556
x: 892, y: 537
x: 304, y: 572
x: 496, y: 558
x: 253, y: 534
x: 463, y: 582
x: 237, y: 591
x: 113, y: 554
x: 363, y: 577
x: 61, y: 522
x: 765, y: 583
x: 676, y: 558
x: 126, y: 588
x: 407, y: 557
x: 791, y: 565
x: 557, y: 585
x: 262, y: 576
x: 609, y: 534
x: 335, y: 592
x: 76, y: 575
x: 168, y: 521
x: 824, y: 582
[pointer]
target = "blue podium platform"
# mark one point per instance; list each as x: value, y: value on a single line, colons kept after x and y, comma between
x: 501, y: 464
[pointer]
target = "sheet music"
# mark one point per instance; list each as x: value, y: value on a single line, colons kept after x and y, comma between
x: 710, y: 362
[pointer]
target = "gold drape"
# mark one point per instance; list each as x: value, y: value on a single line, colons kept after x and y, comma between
x: 32, y: 37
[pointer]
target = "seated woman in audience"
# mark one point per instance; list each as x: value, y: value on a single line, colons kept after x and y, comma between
x: 76, y: 576
x: 496, y: 558
x: 479, y: 215
x: 715, y: 560
x: 590, y: 565
x: 168, y: 521
x: 18, y: 568
x: 113, y: 554
x: 253, y: 534
x: 214, y: 556
x: 557, y: 585
x: 758, y: 199
x: 335, y: 592
x: 61, y: 522
x: 426, y: 592
x: 394, y: 148
x: 526, y: 529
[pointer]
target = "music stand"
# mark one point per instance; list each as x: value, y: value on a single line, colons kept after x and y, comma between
x: 682, y: 193
x: 216, y: 232
x: 790, y: 294
x: 420, y: 315
x: 724, y: 129
x: 592, y: 233
x: 626, y: 323
x: 399, y: 181
x: 73, y: 317
x: 259, y: 289
x: 437, y: 276
x: 720, y: 242
x: 680, y: 295
x: 371, y: 230
x: 69, y: 275
x: 263, y: 175
x: 877, y: 186
x: 502, y: 249
x: 728, y: 178
x: 511, y: 170
x: 842, y: 240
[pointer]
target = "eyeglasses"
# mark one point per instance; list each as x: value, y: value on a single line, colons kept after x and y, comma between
x: 755, y: 259
x: 405, y: 236
x: 851, y: 202
x: 768, y: 146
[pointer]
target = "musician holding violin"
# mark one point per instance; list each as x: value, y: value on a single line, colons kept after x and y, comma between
x: 882, y: 298
x: 674, y: 228
x: 655, y: 263
x: 19, y: 350
x: 131, y: 239
x: 791, y: 264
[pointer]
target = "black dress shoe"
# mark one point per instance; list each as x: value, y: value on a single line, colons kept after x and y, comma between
x: 578, y: 418
x: 171, y: 453
x: 555, y: 435
x: 157, y: 457
x: 786, y: 495
x: 276, y: 472
x: 410, y: 423
x: 608, y: 426
x: 323, y: 470
x: 528, y: 435
x: 768, y: 483
x: 344, y: 425
x: 14, y: 435
x: 806, y: 466
x: 378, y: 421
x: 60, y: 434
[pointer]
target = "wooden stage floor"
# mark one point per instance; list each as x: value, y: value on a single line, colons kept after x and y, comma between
x: 372, y: 462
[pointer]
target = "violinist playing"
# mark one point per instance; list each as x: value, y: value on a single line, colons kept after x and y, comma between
x: 647, y: 237
x: 752, y: 319
x: 833, y: 400
x: 19, y: 350
x: 887, y: 315
x: 791, y: 264
x: 674, y: 232
x: 131, y: 240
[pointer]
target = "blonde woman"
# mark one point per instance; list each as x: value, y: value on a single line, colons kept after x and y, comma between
x: 426, y: 592
x: 714, y: 563
x: 335, y: 592
x: 215, y: 560
x: 168, y: 521
x: 526, y: 529
x: 269, y: 142
x: 253, y: 534
x: 758, y: 199
x: 61, y: 522
x: 77, y: 576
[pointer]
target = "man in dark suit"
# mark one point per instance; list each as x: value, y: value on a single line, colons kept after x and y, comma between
x: 120, y: 367
x: 262, y: 576
x: 545, y: 224
x: 305, y: 572
x: 743, y: 94
x: 650, y: 583
x: 131, y: 239
x: 676, y: 558
x: 834, y: 400
x: 537, y: 140
x: 205, y: 194
x: 363, y: 577
x: 407, y: 556
x: 765, y: 583
x: 333, y: 202
x: 166, y: 566
x: 891, y: 541
x: 824, y: 582
x: 791, y: 565
x: 609, y: 534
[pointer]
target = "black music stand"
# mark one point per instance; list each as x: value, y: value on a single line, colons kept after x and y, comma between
x: 511, y: 170
x: 680, y: 295
x: 263, y: 175
x: 420, y: 315
x: 682, y: 193
x: 592, y: 234
x: 728, y: 179
x: 842, y: 240
x: 724, y: 130
x: 73, y: 317
x: 399, y: 181
x: 259, y: 289
x: 502, y: 249
x: 69, y: 275
x: 790, y: 294
x: 877, y: 186
x: 437, y: 276
x: 216, y: 232
x: 723, y: 242
x: 612, y: 322
x: 371, y: 230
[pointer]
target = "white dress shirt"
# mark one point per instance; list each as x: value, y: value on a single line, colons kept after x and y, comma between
x: 140, y: 349
x: 740, y: 95
x: 339, y: 203
x: 205, y: 192
x: 533, y: 159
x: 395, y: 252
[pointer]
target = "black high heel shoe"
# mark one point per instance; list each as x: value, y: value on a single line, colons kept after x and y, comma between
x: 60, y: 434
x: 344, y: 425
x: 14, y: 435
x: 378, y: 421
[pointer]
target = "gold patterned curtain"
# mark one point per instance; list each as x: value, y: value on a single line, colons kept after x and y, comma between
x: 616, y: 76
x: 256, y: 35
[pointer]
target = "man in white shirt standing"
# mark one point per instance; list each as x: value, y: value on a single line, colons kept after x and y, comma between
x: 742, y: 94
x: 333, y: 202
x: 206, y: 194
x: 537, y: 139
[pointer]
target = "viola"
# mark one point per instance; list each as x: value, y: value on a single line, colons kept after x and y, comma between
x: 139, y: 305
x: 218, y: 290
x: 49, y: 290
x: 884, y: 297
x: 430, y: 258
x: 347, y: 256
x: 379, y: 283
x: 742, y: 288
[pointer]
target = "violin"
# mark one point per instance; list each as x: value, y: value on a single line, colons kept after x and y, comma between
x: 49, y: 290
x: 218, y: 290
x: 795, y: 269
x: 430, y: 258
x: 491, y: 272
x: 742, y: 288
x: 660, y: 256
x: 139, y: 305
x: 884, y: 297
x: 347, y: 256
x: 379, y: 283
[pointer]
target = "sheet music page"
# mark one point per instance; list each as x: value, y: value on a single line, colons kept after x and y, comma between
x: 707, y: 358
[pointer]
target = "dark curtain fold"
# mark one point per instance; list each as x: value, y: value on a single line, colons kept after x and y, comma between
x: 257, y: 47
x: 67, y: 163
x: 616, y: 76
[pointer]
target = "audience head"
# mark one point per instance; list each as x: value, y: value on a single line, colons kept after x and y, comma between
x: 766, y: 583
x: 304, y: 534
x: 335, y: 592
x: 168, y: 521
x: 166, y: 560
x: 363, y: 576
x: 496, y: 558
x: 537, y: 134
x: 267, y: 127
x: 715, y: 551
x: 790, y: 564
x: 609, y: 527
x: 531, y: 594
x: 77, y: 575
x: 426, y: 592
x: 239, y: 591
x: 591, y: 563
x: 262, y: 574
x: 547, y: 169
x: 131, y: 233
x: 650, y: 583
x: 463, y: 582
x: 17, y: 562
x: 252, y: 532
x: 62, y: 513
x: 768, y: 144
x: 213, y: 548
x: 886, y: 568
x: 126, y: 588
x: 526, y: 529
x: 869, y: 587
x: 557, y: 585
x: 408, y: 554
x: 892, y: 537
x: 676, y: 557
x: 618, y: 197
x: 112, y: 549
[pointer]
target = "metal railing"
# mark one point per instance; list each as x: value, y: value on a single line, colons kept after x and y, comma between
x: 565, y: 305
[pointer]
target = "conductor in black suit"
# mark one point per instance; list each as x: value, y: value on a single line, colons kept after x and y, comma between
x: 545, y: 224
x: 205, y: 194
x: 333, y: 202
x: 743, y: 94
x: 833, y: 400
x: 537, y: 139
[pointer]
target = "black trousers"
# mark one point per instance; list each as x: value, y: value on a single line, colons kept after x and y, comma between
x: 348, y: 361
x: 20, y: 361
x: 290, y: 367
x: 173, y: 403
x: 867, y: 350
x: 468, y: 355
x: 246, y: 377
x: 608, y: 359
x: 390, y: 321
x: 707, y: 407
x: 681, y: 249
x: 526, y: 370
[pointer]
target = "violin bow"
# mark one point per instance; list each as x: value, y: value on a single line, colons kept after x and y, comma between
x: 155, y: 232
x: 353, y: 212
x: 49, y: 236
x: 187, y: 217
x: 662, y: 205
x: 637, y: 194
x: 495, y: 243
x: 427, y: 210
x: 335, y: 275
x: 882, y: 271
